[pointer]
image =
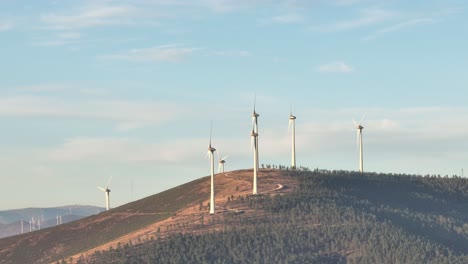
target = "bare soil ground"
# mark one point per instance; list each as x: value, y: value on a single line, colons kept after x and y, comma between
x: 195, y: 218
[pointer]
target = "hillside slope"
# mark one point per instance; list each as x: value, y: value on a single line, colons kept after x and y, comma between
x: 129, y: 222
x: 332, y: 217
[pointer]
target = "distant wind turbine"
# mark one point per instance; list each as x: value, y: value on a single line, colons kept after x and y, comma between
x: 292, y: 126
x: 254, y: 140
x: 221, y: 163
x: 107, y: 191
x: 359, y: 128
x: 211, y: 151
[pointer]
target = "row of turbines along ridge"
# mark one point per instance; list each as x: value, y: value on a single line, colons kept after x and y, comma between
x: 37, y: 223
x: 254, y: 145
x: 254, y: 135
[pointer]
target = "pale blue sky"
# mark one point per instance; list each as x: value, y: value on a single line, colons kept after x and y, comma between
x: 90, y: 89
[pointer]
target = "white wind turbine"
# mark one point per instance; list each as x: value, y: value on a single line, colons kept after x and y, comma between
x: 359, y: 128
x: 254, y: 140
x: 292, y: 127
x: 221, y: 163
x: 211, y: 151
x: 107, y: 191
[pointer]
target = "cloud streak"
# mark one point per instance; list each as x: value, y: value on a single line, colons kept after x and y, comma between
x: 401, y: 26
x: 126, y: 114
x: 335, y: 67
x: 164, y: 53
x: 367, y: 17
x: 5, y: 26
x: 90, y: 17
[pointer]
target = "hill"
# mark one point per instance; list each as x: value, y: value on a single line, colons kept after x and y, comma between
x: 332, y: 217
x: 127, y: 222
x: 299, y: 217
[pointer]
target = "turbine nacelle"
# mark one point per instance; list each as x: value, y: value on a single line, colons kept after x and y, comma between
x: 291, y: 117
x: 211, y: 149
x: 107, y: 190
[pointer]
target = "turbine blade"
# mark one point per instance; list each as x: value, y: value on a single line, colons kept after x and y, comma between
x: 355, y: 123
x: 219, y: 167
x: 102, y: 189
x: 255, y: 100
x: 225, y: 157
x: 107, y: 186
x: 362, y: 118
x: 211, y: 129
x: 289, y: 126
x: 251, y: 141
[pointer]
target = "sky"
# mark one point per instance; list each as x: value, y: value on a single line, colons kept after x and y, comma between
x: 128, y: 88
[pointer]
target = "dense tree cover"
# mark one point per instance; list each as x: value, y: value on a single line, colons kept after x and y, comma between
x: 332, y: 217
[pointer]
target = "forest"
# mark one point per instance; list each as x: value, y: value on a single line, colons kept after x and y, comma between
x: 330, y: 217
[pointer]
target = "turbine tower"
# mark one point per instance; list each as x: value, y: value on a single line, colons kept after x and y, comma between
x: 221, y: 163
x: 359, y: 128
x: 254, y: 138
x: 292, y: 126
x: 211, y: 151
x: 107, y: 191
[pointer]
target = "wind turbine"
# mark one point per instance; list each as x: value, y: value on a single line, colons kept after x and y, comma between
x: 221, y: 163
x: 359, y: 128
x: 107, y: 191
x: 254, y: 139
x: 253, y: 142
x: 292, y: 126
x: 211, y: 151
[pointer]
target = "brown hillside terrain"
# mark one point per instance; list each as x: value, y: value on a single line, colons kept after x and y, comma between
x: 181, y: 209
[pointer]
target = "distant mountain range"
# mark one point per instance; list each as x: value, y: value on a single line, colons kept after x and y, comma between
x: 16, y: 221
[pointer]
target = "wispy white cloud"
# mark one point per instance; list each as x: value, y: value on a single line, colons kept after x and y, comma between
x: 57, y: 88
x: 337, y: 66
x: 91, y: 91
x: 123, y: 150
x: 90, y: 17
x: 5, y: 26
x: 229, y: 5
x: 69, y: 35
x: 401, y: 26
x: 125, y: 114
x: 171, y: 53
x: 234, y: 53
x: 289, y: 18
x: 60, y: 39
x: 164, y: 53
x: 368, y: 17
